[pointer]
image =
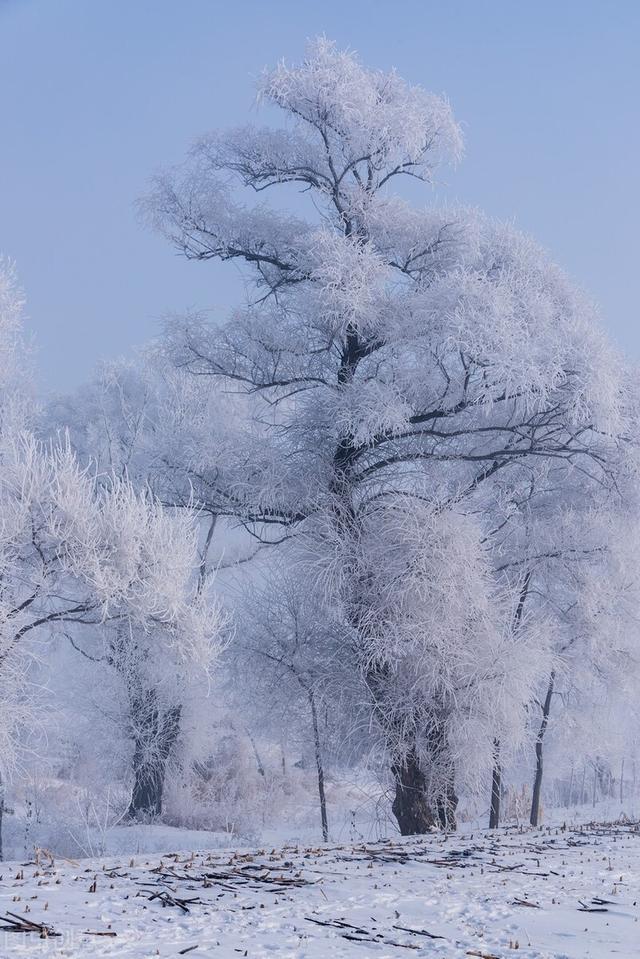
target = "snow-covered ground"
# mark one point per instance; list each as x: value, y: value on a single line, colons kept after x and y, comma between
x: 553, y: 892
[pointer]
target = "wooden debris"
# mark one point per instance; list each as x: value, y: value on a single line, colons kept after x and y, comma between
x: 14, y: 923
x: 169, y: 899
x: 419, y: 932
x: 357, y: 934
x: 584, y: 907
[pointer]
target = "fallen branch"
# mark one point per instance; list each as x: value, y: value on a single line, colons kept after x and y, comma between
x: 583, y: 907
x: 167, y: 899
x: 419, y: 932
x: 15, y: 923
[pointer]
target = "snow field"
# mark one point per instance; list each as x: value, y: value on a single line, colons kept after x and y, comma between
x: 554, y: 892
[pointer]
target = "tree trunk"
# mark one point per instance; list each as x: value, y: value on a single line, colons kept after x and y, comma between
x: 204, y: 554
x: 426, y: 798
x: 446, y: 807
x: 155, y: 737
x: 410, y: 806
x: 496, y: 777
x: 537, y: 782
x: 259, y: 765
x: 319, y: 766
x: 496, y: 787
x: 446, y: 799
x: 570, y: 793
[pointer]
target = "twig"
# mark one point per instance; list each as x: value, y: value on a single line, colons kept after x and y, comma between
x: 419, y: 932
x: 525, y: 902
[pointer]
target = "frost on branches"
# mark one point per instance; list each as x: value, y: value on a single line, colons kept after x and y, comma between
x: 438, y: 403
x: 89, y: 557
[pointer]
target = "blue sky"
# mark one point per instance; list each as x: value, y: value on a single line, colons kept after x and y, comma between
x: 99, y: 94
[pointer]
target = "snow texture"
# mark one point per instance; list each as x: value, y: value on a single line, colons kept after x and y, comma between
x: 554, y: 892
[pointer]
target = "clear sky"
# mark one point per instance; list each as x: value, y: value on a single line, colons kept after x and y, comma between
x: 98, y: 94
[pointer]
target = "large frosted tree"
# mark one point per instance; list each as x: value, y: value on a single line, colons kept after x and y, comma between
x: 397, y: 362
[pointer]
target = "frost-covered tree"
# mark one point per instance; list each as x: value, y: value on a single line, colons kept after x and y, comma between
x: 156, y: 425
x: 397, y: 362
x: 295, y: 653
x: 99, y: 559
x: 451, y: 675
x: 556, y: 544
x: 84, y: 555
x: 146, y: 421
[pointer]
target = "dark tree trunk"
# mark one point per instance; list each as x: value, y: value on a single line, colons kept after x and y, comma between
x: 155, y: 736
x: 537, y: 781
x: 319, y: 767
x: 410, y: 806
x: 425, y: 790
x: 496, y: 787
